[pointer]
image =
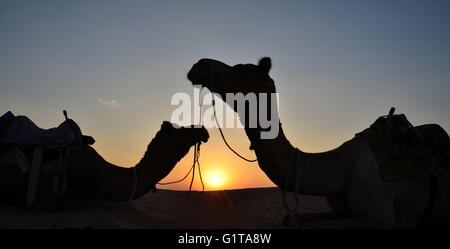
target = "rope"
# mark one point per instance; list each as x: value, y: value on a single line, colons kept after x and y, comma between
x: 133, y: 191
x: 182, y: 179
x: 196, y: 161
x: 293, y: 212
x: 223, y: 137
x: 199, y: 170
x: 192, y: 169
x: 297, y: 167
x: 200, y: 102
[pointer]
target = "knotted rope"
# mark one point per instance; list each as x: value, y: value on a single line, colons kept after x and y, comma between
x: 292, y: 212
x: 196, y: 160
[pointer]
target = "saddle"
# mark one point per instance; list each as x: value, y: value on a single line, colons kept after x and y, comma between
x: 404, y: 151
x: 33, y: 149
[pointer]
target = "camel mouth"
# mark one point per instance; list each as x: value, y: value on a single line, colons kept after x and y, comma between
x: 203, y: 71
x: 203, y: 134
x: 204, y: 139
x: 196, y: 79
x: 193, y: 131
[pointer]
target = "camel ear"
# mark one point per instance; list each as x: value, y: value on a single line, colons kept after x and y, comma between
x: 264, y: 65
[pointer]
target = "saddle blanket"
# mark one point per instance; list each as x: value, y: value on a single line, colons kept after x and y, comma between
x: 405, y: 152
x: 395, y: 168
x: 21, y: 131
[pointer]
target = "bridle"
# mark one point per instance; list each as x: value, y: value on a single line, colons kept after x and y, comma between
x: 220, y: 129
x: 196, y: 162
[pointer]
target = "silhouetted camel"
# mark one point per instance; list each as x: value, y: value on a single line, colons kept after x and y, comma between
x: 348, y: 175
x: 90, y: 177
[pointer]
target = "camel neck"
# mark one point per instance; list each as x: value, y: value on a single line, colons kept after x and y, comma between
x: 156, y: 165
x: 144, y: 182
x: 319, y: 173
x: 150, y: 170
x: 120, y: 181
x: 276, y: 157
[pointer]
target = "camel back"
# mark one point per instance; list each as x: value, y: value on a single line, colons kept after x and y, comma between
x: 32, y: 148
x: 405, y: 152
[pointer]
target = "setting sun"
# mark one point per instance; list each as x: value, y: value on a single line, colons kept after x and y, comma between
x: 215, y: 179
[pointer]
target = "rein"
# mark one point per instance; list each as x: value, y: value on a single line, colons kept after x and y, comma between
x: 221, y: 132
x: 293, y: 212
x: 196, y: 160
x: 196, y: 156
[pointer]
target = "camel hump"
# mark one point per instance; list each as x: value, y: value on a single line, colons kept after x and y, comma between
x: 405, y: 151
x: 22, y: 131
x: 399, y: 133
x: 436, y: 137
x: 82, y: 139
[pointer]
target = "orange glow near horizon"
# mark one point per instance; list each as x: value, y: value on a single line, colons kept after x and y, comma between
x: 220, y: 168
x: 215, y: 179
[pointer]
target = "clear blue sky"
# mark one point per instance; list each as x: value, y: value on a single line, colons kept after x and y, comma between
x: 114, y: 65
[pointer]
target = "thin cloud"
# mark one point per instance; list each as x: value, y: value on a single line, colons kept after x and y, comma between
x: 111, y: 103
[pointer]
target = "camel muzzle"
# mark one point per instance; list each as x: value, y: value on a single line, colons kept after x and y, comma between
x: 197, y: 78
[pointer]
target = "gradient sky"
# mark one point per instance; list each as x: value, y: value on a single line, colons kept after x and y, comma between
x: 114, y: 65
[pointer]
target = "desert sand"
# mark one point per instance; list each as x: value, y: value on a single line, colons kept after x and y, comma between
x: 257, y: 208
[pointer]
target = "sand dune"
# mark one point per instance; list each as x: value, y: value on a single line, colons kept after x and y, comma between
x: 166, y: 209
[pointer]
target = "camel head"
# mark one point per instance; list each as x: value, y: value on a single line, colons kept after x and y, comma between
x: 170, y: 144
x: 244, y: 79
x: 181, y: 136
x: 221, y: 78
